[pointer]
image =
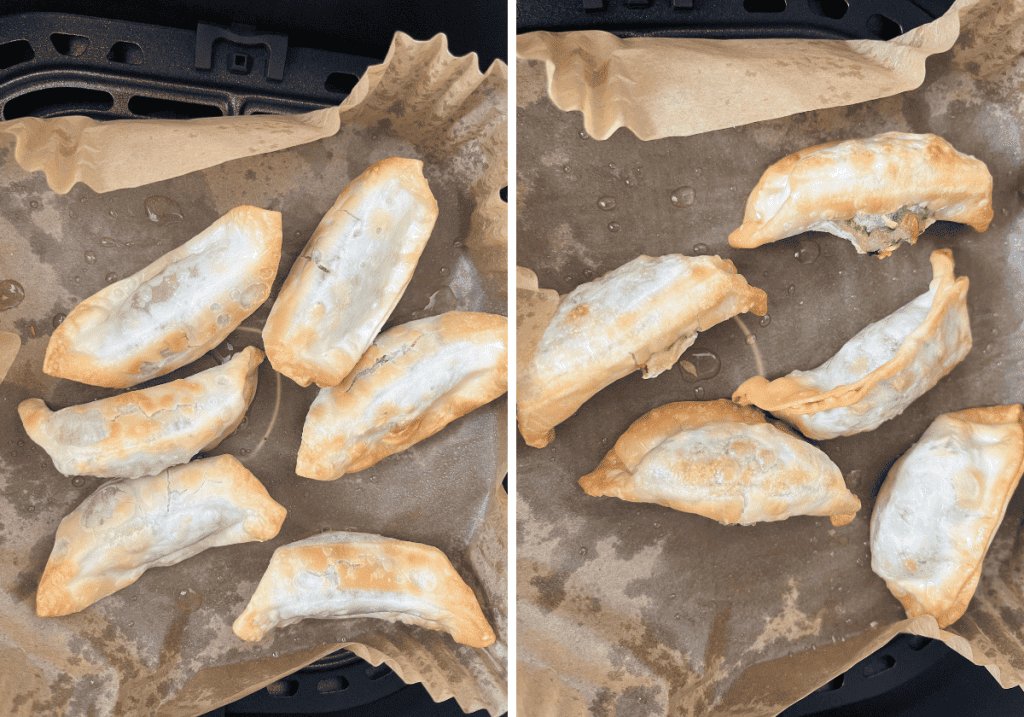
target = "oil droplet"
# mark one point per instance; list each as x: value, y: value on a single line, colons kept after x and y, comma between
x: 189, y: 600
x: 751, y: 340
x: 244, y: 451
x: 588, y: 273
x: 604, y: 441
x: 566, y: 168
x: 78, y: 280
x: 58, y: 319
x: 11, y: 294
x: 683, y: 197
x: 630, y: 182
x: 699, y: 365
x: 131, y: 623
x: 765, y: 320
x: 21, y: 443
x: 34, y: 204
x: 676, y: 616
x: 700, y: 249
x: 583, y: 551
x: 111, y: 278
x: 611, y: 165
x: 1005, y: 212
x: 584, y: 135
x: 90, y: 257
x: 697, y: 171
x: 698, y: 392
x: 732, y: 189
x: 274, y: 654
x: 113, y: 214
x: 443, y: 271
x: 298, y: 233
x: 568, y: 278
x: 807, y: 251
x: 244, y: 423
x: 78, y: 481
x: 373, y: 479
x: 606, y: 203
x: 457, y: 244
x: 791, y: 289
x: 163, y: 210
x: 639, y: 170
x: 31, y: 509
x: 107, y: 242
x: 613, y: 226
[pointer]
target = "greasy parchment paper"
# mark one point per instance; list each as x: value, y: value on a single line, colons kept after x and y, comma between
x: 636, y: 609
x: 164, y: 645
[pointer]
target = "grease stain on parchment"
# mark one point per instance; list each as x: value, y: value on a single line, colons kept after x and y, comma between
x: 791, y: 624
x: 531, y: 82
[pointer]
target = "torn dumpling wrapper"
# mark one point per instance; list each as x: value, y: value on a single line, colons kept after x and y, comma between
x: 941, y: 505
x: 881, y: 370
x: 877, y: 192
x: 641, y: 316
x: 722, y: 461
x: 413, y: 381
x: 173, y: 311
x: 130, y: 525
x: 351, y: 274
x: 348, y: 575
x: 143, y: 432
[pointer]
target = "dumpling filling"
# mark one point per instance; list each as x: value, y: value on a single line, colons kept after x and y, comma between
x: 881, y: 233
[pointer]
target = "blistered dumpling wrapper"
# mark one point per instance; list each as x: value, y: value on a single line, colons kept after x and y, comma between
x: 940, y: 506
x: 141, y: 433
x: 881, y: 370
x: 722, y: 461
x: 131, y: 525
x: 413, y: 381
x: 10, y: 344
x: 642, y: 315
x: 878, y: 192
x: 173, y: 311
x: 346, y: 575
x: 351, y: 274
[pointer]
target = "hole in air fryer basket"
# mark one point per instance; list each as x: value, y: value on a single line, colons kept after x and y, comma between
x: 883, y: 28
x: 56, y: 101
x: 877, y: 664
x: 331, y: 684
x: 159, y: 108
x: 504, y: 194
x: 126, y: 52
x: 375, y: 673
x: 14, y: 53
x: 764, y: 5
x: 340, y: 82
x: 917, y: 642
x: 832, y: 685
x: 283, y: 688
x: 834, y: 9
x: 70, y: 45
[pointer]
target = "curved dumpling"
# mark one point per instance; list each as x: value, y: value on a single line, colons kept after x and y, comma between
x: 724, y: 462
x: 642, y: 315
x: 413, y: 381
x: 173, y: 311
x: 350, y: 276
x: 129, y: 526
x: 140, y: 433
x: 940, y: 506
x: 881, y: 370
x: 876, y: 192
x: 343, y: 574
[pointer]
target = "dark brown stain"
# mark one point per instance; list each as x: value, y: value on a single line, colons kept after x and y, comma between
x: 551, y: 589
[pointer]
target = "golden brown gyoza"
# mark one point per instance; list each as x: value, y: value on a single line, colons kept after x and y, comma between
x: 881, y: 370
x: 141, y: 433
x: 641, y: 316
x: 413, y: 381
x: 350, y: 276
x: 722, y: 461
x: 941, y: 505
x: 347, y: 575
x: 173, y: 311
x: 877, y: 192
x: 130, y: 525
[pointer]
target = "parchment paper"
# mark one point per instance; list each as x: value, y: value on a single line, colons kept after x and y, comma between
x: 636, y: 609
x: 164, y: 645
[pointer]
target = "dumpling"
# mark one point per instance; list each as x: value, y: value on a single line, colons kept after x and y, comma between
x: 413, y: 381
x: 10, y: 344
x: 724, y: 462
x: 343, y: 574
x: 940, y: 507
x: 881, y: 370
x: 350, y: 276
x: 642, y: 315
x: 876, y: 192
x: 129, y: 526
x: 173, y: 311
x: 140, y: 433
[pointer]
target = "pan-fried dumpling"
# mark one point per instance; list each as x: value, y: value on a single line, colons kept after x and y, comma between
x: 876, y: 192
x: 724, y: 462
x: 141, y: 433
x: 173, y: 311
x: 350, y: 276
x: 881, y: 370
x: 941, y: 505
x: 130, y: 525
x: 343, y: 574
x: 413, y: 381
x: 642, y: 315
